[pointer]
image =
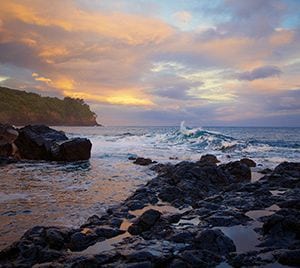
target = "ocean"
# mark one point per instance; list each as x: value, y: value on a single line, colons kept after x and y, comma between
x: 40, y: 193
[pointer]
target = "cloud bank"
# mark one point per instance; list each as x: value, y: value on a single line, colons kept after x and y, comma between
x: 147, y: 62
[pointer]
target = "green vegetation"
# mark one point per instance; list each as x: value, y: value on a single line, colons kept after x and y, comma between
x: 23, y: 108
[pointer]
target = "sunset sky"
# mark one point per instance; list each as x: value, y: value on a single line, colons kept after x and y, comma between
x: 158, y: 62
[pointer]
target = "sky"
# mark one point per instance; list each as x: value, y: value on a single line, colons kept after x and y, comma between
x: 159, y: 62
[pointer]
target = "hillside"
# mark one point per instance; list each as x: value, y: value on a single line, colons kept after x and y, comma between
x: 23, y: 108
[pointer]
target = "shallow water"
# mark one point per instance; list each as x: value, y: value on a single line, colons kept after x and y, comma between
x: 105, y: 245
x: 54, y: 194
x: 40, y: 193
x: 244, y: 236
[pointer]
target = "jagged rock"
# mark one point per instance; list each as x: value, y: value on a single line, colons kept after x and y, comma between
x: 186, y: 182
x: 248, y: 162
x: 285, y: 175
x: 74, y: 150
x: 292, y: 203
x: 92, y: 221
x: 239, y: 171
x: 170, y: 193
x: 198, y: 258
x: 182, y: 237
x: 225, y: 220
x: 144, y: 222
x: 255, y: 258
x: 283, y: 222
x: 36, y: 142
x: 290, y: 257
x: 282, y: 229
x: 108, y: 232
x: 6, y: 150
x: 135, y: 204
x: 38, y: 244
x: 55, y: 239
x: 288, y: 169
x: 266, y: 171
x: 40, y: 142
x: 80, y: 241
x: 8, y: 134
x: 208, y: 159
x: 215, y: 241
x: 143, y: 161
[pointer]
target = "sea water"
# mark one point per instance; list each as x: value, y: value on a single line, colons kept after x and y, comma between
x: 40, y: 193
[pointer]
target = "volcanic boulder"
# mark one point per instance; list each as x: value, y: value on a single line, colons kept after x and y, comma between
x: 8, y: 134
x: 39, y: 142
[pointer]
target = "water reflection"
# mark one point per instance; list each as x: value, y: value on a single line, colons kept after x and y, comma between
x: 40, y: 193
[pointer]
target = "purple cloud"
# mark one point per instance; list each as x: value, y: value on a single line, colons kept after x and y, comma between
x: 259, y: 73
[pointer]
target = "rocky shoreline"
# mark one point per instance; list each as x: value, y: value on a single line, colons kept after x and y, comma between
x: 192, y: 214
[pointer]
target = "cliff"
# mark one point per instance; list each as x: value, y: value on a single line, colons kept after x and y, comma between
x: 23, y: 108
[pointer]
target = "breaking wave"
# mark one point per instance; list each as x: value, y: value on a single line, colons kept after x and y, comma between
x: 187, y: 143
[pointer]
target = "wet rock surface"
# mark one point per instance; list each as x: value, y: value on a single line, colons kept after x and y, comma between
x: 248, y: 162
x: 191, y: 215
x: 142, y: 161
x: 39, y: 142
x: 144, y: 222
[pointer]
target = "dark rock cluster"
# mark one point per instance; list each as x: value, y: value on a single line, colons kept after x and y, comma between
x: 39, y: 142
x: 142, y: 161
x: 185, y: 217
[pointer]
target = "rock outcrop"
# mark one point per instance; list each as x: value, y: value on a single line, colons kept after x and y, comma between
x: 39, y: 142
x: 143, y: 161
x: 208, y: 158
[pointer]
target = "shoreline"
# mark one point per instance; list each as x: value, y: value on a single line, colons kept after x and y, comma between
x: 144, y: 220
x: 28, y: 211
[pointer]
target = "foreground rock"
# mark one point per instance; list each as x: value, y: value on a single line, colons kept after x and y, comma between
x: 8, y: 149
x: 144, y: 222
x: 40, y: 142
x: 248, y: 162
x: 208, y: 158
x: 190, y: 215
x: 8, y: 134
x: 143, y: 161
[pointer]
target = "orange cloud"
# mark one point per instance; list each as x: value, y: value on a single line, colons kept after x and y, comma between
x: 43, y: 79
x: 49, y: 52
x: 228, y: 47
x: 132, y: 29
x: 281, y: 37
x: 271, y: 84
x: 125, y: 99
x: 64, y: 83
x: 121, y: 99
x: 28, y: 14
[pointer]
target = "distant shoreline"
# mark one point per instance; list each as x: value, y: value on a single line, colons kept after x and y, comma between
x: 62, y: 125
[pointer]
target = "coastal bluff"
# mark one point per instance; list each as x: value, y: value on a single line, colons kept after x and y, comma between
x: 22, y: 108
